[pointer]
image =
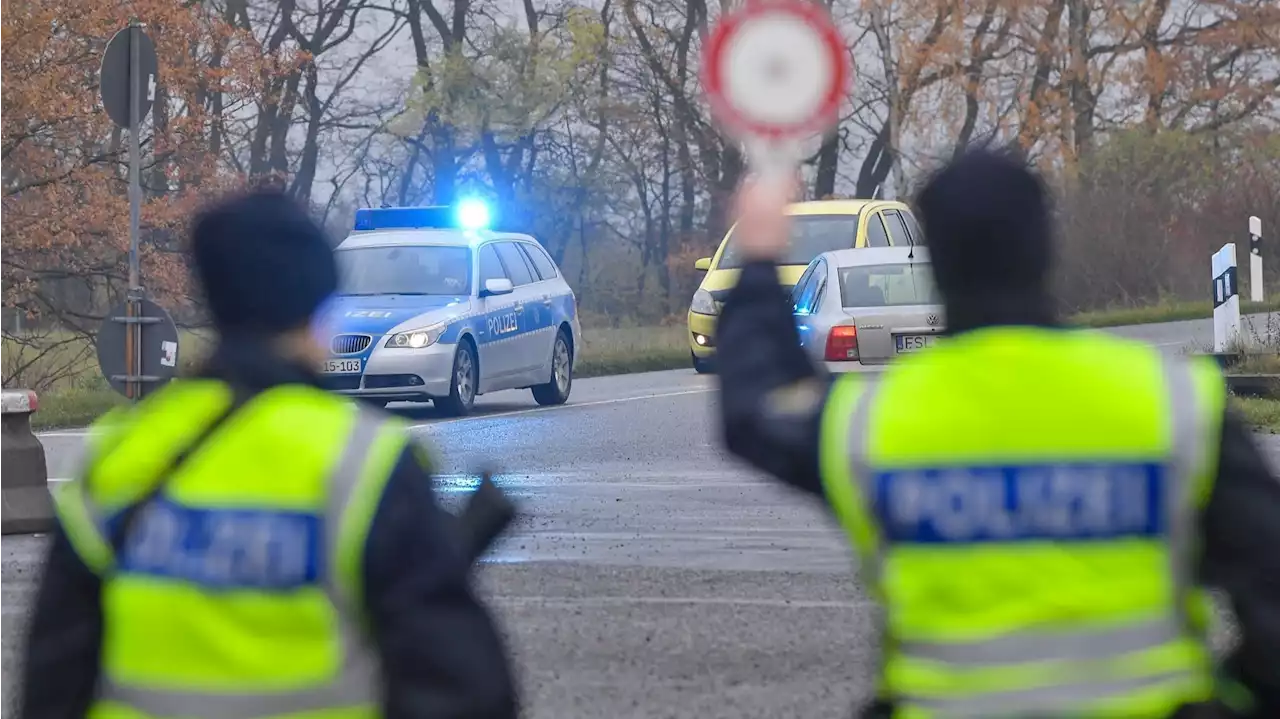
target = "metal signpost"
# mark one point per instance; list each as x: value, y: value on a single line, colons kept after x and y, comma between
x: 128, y: 85
x: 776, y: 73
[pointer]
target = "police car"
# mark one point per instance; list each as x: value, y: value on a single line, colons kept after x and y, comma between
x: 435, y: 306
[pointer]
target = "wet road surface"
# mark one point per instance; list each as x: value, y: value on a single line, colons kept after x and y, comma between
x: 651, y: 576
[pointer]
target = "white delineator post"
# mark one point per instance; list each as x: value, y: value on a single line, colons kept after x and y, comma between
x: 1255, y: 259
x: 1226, y: 299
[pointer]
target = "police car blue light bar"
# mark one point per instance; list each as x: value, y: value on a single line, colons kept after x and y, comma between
x: 470, y: 214
x: 403, y: 218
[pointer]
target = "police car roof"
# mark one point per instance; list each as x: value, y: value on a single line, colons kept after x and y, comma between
x: 443, y: 237
x: 863, y: 256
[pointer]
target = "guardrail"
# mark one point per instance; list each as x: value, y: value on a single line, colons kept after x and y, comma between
x: 24, y: 491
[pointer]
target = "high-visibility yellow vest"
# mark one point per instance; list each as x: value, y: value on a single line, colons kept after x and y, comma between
x: 1024, y: 502
x: 238, y: 592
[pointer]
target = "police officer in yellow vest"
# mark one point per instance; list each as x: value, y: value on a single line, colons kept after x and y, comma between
x: 1038, y: 509
x: 244, y: 544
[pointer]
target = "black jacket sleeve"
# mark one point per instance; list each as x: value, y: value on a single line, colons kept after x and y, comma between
x: 1241, y: 556
x: 442, y: 655
x: 771, y: 395
x: 60, y: 669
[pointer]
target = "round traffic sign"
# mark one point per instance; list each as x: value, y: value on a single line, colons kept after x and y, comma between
x: 157, y: 348
x: 776, y: 70
x: 113, y: 75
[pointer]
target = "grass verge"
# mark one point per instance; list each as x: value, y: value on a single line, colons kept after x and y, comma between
x: 1257, y: 363
x: 625, y: 351
x: 1262, y: 414
x: 1163, y: 312
x: 75, y: 406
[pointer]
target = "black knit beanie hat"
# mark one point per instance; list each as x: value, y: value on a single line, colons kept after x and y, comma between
x: 987, y: 220
x: 265, y: 266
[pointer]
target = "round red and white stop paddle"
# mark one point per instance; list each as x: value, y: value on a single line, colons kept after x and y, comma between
x: 776, y: 73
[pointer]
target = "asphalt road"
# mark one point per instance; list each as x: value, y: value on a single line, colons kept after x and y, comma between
x: 652, y: 576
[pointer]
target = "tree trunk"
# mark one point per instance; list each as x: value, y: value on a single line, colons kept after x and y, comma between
x: 828, y: 163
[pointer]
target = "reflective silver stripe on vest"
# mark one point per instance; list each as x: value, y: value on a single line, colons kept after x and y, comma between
x: 1071, y: 645
x: 872, y: 565
x: 1187, y: 432
x: 342, y: 485
x: 1187, y: 447
x: 357, y: 682
x: 1041, y: 701
x: 859, y: 437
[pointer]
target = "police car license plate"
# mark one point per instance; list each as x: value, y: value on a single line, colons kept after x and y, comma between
x: 913, y: 343
x: 342, y: 366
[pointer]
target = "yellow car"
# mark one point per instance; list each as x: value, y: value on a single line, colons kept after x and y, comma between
x: 818, y: 226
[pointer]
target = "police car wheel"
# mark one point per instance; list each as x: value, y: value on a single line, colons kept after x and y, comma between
x: 557, y: 390
x: 462, y: 390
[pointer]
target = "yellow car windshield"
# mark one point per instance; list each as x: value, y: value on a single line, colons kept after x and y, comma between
x: 811, y: 235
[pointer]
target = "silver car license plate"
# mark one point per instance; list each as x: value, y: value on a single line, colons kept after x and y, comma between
x: 342, y: 366
x: 913, y: 343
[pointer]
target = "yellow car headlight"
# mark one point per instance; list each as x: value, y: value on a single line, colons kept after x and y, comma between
x: 703, y: 303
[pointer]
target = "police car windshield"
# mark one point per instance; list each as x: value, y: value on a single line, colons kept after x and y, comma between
x: 811, y: 235
x: 405, y: 270
x: 887, y: 285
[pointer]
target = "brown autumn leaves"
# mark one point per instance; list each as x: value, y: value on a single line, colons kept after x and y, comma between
x: 1058, y: 74
x: 65, y: 207
x: 1059, y: 77
x: 1158, y: 119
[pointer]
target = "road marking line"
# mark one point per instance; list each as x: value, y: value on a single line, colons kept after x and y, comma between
x: 629, y: 471
x: 463, y: 483
x: 696, y: 536
x: 533, y: 410
x: 573, y: 602
x: 604, y: 486
x: 600, y: 479
x: 494, y: 415
x: 466, y: 482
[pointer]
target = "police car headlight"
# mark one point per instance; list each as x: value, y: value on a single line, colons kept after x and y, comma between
x: 416, y: 339
x: 702, y: 303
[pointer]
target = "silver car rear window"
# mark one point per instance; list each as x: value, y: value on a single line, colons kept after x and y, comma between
x: 887, y: 285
